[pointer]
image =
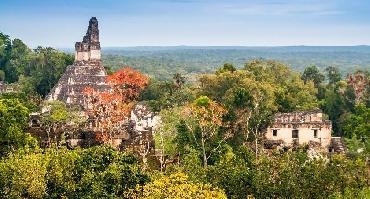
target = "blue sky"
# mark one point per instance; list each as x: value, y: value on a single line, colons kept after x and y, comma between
x: 60, y: 23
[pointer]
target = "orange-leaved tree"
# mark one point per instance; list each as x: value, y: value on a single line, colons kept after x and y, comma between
x: 109, y: 110
x: 206, y: 115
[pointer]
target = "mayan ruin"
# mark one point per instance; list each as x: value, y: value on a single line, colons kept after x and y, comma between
x: 300, y: 128
x: 87, y: 70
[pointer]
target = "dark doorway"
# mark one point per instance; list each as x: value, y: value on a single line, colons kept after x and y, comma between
x: 315, y: 133
x: 294, y: 133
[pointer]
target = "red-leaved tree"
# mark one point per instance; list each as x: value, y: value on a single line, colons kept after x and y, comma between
x: 109, y: 110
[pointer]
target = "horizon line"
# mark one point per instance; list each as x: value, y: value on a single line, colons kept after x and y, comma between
x: 257, y: 46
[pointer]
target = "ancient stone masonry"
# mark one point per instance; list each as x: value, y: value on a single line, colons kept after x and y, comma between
x: 307, y: 127
x: 89, y: 49
x: 86, y: 71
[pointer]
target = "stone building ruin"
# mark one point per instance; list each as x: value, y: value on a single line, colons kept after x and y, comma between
x: 86, y: 71
x: 299, y: 128
x: 89, y: 49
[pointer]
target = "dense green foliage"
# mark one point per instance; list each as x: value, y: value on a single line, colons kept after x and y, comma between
x: 312, y: 73
x: 97, y: 172
x: 13, y: 123
x: 357, y: 128
x: 238, y: 164
x: 280, y: 175
x: 36, y: 70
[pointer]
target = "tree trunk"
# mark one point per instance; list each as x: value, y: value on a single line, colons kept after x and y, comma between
x: 162, y: 152
x: 256, y: 142
x: 49, y: 139
x: 204, y: 154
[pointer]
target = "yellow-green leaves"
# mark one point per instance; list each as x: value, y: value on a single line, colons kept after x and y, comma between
x: 177, y: 186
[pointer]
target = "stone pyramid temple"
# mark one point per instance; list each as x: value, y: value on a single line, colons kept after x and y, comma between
x: 86, y: 71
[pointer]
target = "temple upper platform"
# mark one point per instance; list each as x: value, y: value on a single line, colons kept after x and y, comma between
x: 86, y: 71
x: 89, y: 49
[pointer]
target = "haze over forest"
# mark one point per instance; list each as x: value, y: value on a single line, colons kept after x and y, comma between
x: 162, y: 62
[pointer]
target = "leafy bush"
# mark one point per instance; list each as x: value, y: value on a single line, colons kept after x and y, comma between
x: 97, y: 172
x: 177, y: 186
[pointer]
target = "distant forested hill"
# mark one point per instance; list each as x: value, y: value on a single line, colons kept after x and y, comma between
x: 162, y: 62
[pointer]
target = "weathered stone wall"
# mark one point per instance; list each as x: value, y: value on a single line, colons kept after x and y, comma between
x: 143, y: 118
x: 86, y: 71
x: 307, y: 123
x: 95, y: 54
x: 71, y: 85
x: 305, y: 134
x: 304, y: 116
x: 89, y: 48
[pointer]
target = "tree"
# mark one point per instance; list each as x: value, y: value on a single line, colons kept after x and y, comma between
x: 312, y: 73
x: 356, y: 127
x: 334, y: 105
x: 296, y: 175
x: 167, y: 94
x: 254, y: 94
x: 42, y: 66
x: 109, y: 110
x: 17, y: 61
x: 227, y: 67
x: 13, y: 123
x: 205, y: 115
x: 358, y: 123
x: 291, y: 93
x: 234, y: 172
x: 2, y: 75
x: 252, y: 104
x: 359, y: 84
x: 179, y: 80
x: 23, y: 176
x: 30, y: 103
x: 5, y: 50
x: 57, y: 120
x: 176, y: 186
x: 348, y: 193
x: 215, y: 86
x: 103, y: 172
x: 96, y: 172
x: 46, y: 68
x: 297, y: 96
x: 333, y: 74
x: 356, y: 145
x: 165, y: 135
x: 128, y: 83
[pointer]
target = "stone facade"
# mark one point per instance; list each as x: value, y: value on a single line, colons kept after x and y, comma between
x: 300, y: 128
x: 86, y: 71
x: 143, y: 119
x: 89, y: 48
